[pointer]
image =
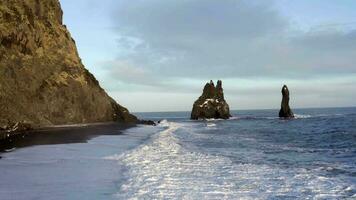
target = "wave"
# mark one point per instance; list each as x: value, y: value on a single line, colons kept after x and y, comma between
x: 234, y: 118
x: 163, y: 169
x: 211, y: 125
x: 300, y: 116
x: 303, y: 116
x: 252, y: 118
x: 297, y: 116
x: 212, y: 120
x: 164, y: 123
x: 10, y: 150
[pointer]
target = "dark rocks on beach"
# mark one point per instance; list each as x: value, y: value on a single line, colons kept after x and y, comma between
x: 18, y: 127
x: 11, y: 129
x: 211, y: 104
x: 147, y: 122
x: 285, y: 111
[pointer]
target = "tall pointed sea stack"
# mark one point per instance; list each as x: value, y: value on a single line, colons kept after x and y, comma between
x: 211, y: 104
x: 42, y: 79
x: 285, y: 111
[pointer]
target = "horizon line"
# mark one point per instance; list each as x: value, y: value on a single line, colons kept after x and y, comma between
x: 296, y: 108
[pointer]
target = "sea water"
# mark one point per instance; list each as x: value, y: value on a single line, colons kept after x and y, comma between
x: 253, y: 155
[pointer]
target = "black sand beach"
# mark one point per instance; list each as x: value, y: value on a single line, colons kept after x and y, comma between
x: 59, y: 135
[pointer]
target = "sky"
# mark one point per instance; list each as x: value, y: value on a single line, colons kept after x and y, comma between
x: 156, y: 55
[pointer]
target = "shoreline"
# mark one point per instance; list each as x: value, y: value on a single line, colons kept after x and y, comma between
x: 60, y: 134
x: 5, y: 134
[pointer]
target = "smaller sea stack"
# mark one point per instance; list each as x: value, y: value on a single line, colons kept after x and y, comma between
x: 285, y: 111
x: 211, y: 104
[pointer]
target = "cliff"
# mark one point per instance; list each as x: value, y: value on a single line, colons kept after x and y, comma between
x: 42, y: 79
x: 211, y: 104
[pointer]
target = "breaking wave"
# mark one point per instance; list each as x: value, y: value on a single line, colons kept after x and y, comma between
x: 163, y: 169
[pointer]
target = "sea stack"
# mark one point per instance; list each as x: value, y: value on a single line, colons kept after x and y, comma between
x: 42, y: 79
x: 285, y: 111
x: 211, y: 104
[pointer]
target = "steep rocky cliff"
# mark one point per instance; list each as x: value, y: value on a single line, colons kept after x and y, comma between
x: 42, y: 79
x: 211, y: 104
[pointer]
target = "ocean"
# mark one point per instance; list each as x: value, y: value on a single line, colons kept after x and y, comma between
x: 253, y: 155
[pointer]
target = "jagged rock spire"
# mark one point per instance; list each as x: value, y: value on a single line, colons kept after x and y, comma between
x: 285, y: 111
x: 209, y: 90
x: 219, y: 90
x: 211, y: 104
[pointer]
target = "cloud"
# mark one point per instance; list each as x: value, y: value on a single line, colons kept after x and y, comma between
x: 124, y: 71
x: 206, y: 39
x: 161, y: 52
x: 123, y: 76
x: 155, y: 19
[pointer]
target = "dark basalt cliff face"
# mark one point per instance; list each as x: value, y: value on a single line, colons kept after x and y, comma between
x: 285, y: 111
x: 42, y: 79
x: 211, y: 104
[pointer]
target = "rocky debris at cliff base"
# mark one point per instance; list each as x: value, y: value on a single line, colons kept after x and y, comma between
x: 11, y: 129
x: 211, y: 104
x: 285, y: 111
x: 16, y: 127
x: 147, y: 122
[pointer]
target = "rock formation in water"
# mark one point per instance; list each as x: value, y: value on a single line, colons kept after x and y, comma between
x: 285, y: 111
x: 211, y: 104
x: 42, y: 79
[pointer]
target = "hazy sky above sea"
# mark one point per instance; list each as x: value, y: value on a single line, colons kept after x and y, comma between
x: 156, y: 55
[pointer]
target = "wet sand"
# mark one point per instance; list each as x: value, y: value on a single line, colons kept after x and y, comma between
x: 68, y: 163
x: 79, y: 133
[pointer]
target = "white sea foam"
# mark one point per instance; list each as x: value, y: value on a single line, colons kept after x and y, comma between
x: 299, y: 116
x: 163, y: 123
x: 212, y: 120
x: 163, y: 169
x: 234, y: 118
x: 10, y: 150
x: 211, y: 125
